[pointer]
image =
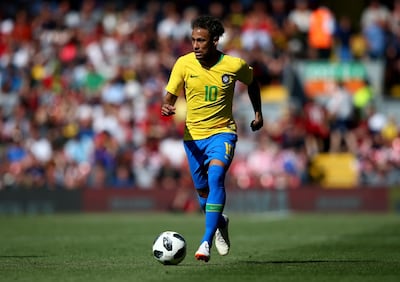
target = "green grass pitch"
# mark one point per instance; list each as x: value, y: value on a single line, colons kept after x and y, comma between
x: 265, y: 247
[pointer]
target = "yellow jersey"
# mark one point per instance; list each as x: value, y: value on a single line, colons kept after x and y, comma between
x: 208, y: 92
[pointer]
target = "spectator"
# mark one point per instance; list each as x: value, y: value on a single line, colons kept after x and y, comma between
x: 316, y: 125
x: 374, y: 23
x: 236, y: 14
x: 167, y: 28
x: 392, y: 72
x: 262, y: 165
x: 22, y: 30
x: 104, y: 153
x: 375, y: 39
x: 123, y: 176
x: 321, y: 33
x: 10, y: 85
x: 92, y: 83
x: 298, y: 25
x: 375, y: 14
x: 340, y: 112
x: 362, y: 99
x: 394, y: 18
x: 279, y: 18
x: 257, y: 29
x: 147, y: 163
x: 343, y: 34
x: 39, y: 146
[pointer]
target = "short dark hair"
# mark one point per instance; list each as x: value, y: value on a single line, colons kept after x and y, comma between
x: 212, y: 24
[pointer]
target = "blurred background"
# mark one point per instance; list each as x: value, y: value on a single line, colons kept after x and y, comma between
x: 81, y: 84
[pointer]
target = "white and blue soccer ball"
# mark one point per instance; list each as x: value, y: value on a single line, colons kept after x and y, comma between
x: 169, y: 248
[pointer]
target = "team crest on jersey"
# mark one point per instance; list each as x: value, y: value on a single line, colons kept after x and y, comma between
x: 225, y: 78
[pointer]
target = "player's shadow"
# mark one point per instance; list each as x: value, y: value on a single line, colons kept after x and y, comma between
x: 305, y: 261
x: 20, y: 257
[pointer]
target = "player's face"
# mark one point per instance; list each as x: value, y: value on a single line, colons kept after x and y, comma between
x: 203, y: 45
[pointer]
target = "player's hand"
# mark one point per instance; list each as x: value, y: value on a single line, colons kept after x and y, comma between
x: 257, y: 123
x: 167, y: 110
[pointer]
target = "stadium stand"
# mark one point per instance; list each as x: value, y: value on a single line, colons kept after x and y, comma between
x: 82, y: 81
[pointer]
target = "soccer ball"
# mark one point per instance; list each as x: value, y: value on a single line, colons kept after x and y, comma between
x: 169, y: 248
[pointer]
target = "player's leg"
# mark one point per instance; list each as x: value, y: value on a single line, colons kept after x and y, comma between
x: 197, y: 159
x: 215, y: 201
x: 214, y: 204
x: 220, y: 151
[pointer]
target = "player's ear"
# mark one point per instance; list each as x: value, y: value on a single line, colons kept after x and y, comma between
x: 215, y: 42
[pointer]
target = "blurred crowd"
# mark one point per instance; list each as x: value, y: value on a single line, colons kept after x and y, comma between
x: 82, y: 81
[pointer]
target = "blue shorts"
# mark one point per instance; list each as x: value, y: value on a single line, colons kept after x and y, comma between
x: 200, y: 152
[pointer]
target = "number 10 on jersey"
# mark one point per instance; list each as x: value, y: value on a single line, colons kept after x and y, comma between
x: 211, y: 93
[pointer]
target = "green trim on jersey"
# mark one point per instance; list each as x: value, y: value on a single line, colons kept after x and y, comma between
x: 209, y: 93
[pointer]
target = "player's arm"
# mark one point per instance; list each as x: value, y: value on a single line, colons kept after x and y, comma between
x: 168, y: 107
x: 255, y: 99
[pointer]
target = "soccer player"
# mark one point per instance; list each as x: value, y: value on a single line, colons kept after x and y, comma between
x: 208, y: 78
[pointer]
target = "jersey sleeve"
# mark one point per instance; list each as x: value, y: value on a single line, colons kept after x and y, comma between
x: 245, y: 73
x: 176, y: 79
